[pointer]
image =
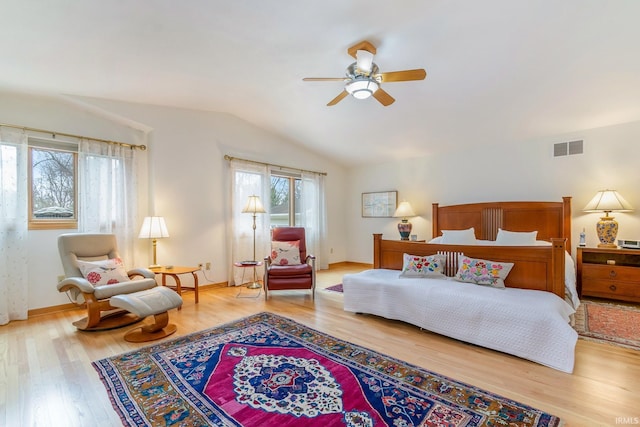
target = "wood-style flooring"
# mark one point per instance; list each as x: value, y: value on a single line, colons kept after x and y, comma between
x: 46, y: 377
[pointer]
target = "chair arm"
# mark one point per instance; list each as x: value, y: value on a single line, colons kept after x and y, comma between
x: 267, y: 262
x: 79, y: 283
x: 144, y: 272
x: 311, y: 260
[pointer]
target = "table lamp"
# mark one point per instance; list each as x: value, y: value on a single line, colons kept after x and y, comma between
x: 153, y: 227
x: 404, y: 226
x: 607, y: 201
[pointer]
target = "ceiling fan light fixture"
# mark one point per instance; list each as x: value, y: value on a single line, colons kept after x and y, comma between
x: 362, y: 88
x: 364, y: 61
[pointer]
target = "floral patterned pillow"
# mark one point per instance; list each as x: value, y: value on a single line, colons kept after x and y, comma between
x: 423, y: 266
x: 285, y: 253
x: 106, y: 272
x: 482, y: 272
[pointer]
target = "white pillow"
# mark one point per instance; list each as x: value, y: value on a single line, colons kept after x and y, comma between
x: 285, y: 253
x: 459, y: 237
x: 105, y: 272
x: 516, y: 238
x: 477, y: 242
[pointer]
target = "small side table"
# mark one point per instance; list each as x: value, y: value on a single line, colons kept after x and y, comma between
x: 253, y: 283
x: 175, y: 272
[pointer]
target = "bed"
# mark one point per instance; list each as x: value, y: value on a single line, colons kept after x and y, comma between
x: 529, y: 316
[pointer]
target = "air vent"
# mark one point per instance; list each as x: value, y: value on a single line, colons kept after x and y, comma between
x: 568, y: 148
x: 575, y: 147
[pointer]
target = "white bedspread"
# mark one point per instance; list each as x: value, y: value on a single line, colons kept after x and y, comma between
x: 530, y: 324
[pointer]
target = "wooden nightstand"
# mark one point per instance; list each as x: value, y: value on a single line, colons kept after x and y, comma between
x: 609, y: 273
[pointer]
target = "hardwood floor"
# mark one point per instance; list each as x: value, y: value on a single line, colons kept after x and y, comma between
x: 46, y: 377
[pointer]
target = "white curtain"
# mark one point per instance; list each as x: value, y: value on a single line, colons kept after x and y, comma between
x: 313, y: 217
x: 247, y: 179
x: 13, y: 225
x: 108, y: 196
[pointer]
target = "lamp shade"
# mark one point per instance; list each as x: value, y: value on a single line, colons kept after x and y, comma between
x: 364, y: 59
x: 153, y: 227
x: 254, y: 206
x: 608, y: 201
x: 404, y: 210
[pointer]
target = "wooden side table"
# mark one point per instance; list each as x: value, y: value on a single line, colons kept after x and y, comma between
x: 175, y: 272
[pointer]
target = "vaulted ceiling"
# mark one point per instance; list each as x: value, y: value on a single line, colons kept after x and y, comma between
x: 498, y: 71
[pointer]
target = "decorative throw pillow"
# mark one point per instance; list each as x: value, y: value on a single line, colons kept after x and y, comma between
x: 482, y: 271
x: 285, y: 253
x: 459, y: 237
x: 105, y: 272
x: 516, y: 238
x: 423, y: 266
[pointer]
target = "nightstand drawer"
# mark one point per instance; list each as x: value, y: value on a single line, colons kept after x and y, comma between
x: 611, y: 272
x: 611, y: 288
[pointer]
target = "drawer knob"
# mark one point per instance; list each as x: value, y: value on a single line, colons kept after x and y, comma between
x: 613, y: 287
x: 612, y: 273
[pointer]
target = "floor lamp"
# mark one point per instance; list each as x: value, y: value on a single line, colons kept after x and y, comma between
x: 153, y: 227
x: 254, y: 207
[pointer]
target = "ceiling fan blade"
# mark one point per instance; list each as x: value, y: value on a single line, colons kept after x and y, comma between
x: 403, y: 76
x: 363, y: 45
x: 338, y: 98
x: 324, y: 79
x: 383, y: 97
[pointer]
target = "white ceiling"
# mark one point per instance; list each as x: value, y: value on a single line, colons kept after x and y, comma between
x: 497, y: 70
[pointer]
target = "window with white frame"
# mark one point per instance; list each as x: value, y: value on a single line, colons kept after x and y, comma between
x: 52, y: 175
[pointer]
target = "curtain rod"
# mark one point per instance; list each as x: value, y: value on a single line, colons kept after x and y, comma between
x: 227, y: 157
x: 122, y: 144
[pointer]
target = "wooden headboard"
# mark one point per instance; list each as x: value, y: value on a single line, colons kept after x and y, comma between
x: 550, y: 219
x: 535, y: 267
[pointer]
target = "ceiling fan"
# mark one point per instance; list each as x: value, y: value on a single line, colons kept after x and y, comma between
x: 363, y: 78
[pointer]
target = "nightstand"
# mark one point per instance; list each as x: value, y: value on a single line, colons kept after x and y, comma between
x: 609, y: 273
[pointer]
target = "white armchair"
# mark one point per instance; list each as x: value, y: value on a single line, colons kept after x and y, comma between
x: 86, y: 251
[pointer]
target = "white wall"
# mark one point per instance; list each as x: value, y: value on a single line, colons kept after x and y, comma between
x: 187, y: 180
x: 521, y: 170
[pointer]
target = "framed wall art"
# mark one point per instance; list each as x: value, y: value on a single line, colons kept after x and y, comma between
x: 380, y: 204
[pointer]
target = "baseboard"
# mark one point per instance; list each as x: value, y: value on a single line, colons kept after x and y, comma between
x: 343, y: 264
x: 210, y: 286
x: 52, y: 309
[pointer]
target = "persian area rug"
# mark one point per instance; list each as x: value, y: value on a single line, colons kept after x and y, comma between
x: 334, y: 288
x: 610, y: 322
x: 267, y: 370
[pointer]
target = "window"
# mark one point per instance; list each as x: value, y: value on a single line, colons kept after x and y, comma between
x: 285, y: 200
x: 53, y: 193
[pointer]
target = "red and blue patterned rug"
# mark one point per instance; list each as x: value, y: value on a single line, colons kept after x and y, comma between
x: 609, y: 322
x: 267, y: 370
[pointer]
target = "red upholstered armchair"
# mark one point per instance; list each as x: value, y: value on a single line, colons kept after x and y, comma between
x: 289, y: 266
